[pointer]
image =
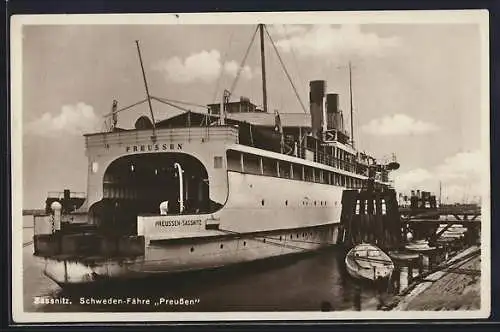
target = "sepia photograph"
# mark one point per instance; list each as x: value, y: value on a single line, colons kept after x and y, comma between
x: 250, y: 166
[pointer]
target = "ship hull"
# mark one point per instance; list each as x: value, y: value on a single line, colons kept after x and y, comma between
x: 167, y: 257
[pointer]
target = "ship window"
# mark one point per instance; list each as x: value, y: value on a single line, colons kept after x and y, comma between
x: 309, y: 174
x: 269, y: 166
x: 233, y: 160
x: 217, y: 162
x: 284, y: 169
x: 251, y: 164
x: 297, y: 172
x: 323, y: 176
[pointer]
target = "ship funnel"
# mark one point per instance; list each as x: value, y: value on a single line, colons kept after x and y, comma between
x: 334, y: 118
x: 316, y: 97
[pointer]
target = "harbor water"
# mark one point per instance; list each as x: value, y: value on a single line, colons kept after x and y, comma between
x: 311, y: 282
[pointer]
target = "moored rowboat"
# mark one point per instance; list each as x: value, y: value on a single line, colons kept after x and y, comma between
x: 366, y: 261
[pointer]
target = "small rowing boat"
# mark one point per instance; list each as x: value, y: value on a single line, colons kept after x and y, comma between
x: 366, y: 261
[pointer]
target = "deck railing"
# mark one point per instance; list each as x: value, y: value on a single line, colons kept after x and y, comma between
x: 171, y: 135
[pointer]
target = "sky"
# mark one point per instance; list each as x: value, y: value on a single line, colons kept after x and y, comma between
x: 416, y: 90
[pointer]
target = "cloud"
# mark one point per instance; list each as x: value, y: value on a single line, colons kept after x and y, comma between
x: 460, y: 177
x: 73, y: 119
x: 412, y: 178
x: 398, y: 124
x: 286, y: 30
x: 345, y: 41
x: 232, y: 68
x: 204, y: 66
x: 462, y: 166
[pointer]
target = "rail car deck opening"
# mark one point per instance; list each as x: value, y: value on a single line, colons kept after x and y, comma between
x: 137, y: 185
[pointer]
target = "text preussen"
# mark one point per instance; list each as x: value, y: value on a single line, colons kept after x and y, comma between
x: 174, y: 223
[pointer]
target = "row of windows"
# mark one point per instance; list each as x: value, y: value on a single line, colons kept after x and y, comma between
x: 306, y: 203
x: 253, y: 164
x: 329, y: 150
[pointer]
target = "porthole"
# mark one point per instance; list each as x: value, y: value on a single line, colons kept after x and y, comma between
x: 221, y: 246
x: 192, y: 249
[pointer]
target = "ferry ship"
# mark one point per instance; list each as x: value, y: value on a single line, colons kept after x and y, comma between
x: 201, y: 190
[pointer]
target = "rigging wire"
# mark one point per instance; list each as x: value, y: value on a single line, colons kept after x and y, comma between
x: 284, y: 69
x: 125, y: 108
x: 294, y: 58
x: 170, y: 104
x: 224, y: 58
x: 181, y: 102
x: 242, y: 64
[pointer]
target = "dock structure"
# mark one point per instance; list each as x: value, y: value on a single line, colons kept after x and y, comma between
x: 434, y: 227
x: 417, y: 240
x: 370, y: 217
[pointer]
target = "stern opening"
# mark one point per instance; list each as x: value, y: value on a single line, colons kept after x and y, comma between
x: 138, y: 184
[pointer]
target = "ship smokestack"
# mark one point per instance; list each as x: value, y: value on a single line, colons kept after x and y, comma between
x: 316, y: 98
x: 334, y: 117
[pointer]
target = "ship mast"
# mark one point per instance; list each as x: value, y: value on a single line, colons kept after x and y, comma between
x: 350, y: 98
x: 263, y: 63
x: 440, y: 193
x: 147, y: 91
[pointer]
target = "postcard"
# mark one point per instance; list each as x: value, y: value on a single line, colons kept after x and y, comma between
x: 250, y: 166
